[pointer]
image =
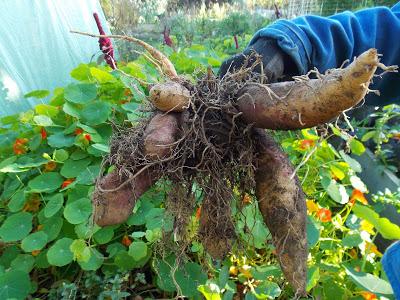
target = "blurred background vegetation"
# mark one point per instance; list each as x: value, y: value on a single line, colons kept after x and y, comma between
x: 217, y: 24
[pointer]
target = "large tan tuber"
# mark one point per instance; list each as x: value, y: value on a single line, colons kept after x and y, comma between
x: 170, y: 96
x: 282, y: 205
x: 307, y: 102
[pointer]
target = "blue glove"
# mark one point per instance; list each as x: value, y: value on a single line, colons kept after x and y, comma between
x: 391, y: 265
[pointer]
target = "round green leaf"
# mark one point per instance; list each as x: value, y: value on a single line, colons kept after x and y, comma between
x: 80, y: 250
x: 104, y: 235
x: 60, y: 140
x: 95, y: 261
x: 124, y: 261
x: 52, y: 227
x: 17, y: 201
x: 78, y: 211
x: 60, y: 155
x: 16, y: 227
x: 46, y: 182
x: 96, y: 113
x: 369, y: 282
x: 80, y: 93
x: 59, y: 254
x: 54, y: 205
x: 34, y: 241
x: 72, y: 168
x: 138, y: 250
x: 23, y: 262
x: 352, y: 240
x: 14, y: 284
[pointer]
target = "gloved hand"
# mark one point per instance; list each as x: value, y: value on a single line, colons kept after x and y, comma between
x: 276, y: 63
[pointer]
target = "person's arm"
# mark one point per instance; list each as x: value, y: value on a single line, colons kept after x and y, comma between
x: 325, y: 43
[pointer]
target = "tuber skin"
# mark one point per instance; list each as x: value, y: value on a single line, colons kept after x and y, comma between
x: 110, y: 208
x: 160, y: 134
x: 170, y: 96
x: 306, y: 102
x: 282, y: 205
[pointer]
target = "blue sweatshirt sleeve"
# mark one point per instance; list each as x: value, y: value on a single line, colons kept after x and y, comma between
x: 325, y: 43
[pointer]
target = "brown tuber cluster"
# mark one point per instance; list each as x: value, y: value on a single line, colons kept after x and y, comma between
x: 208, y: 134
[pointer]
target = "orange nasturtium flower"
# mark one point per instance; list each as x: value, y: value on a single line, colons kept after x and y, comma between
x: 35, y: 252
x: 368, y: 295
x: 324, y: 214
x: 126, y: 241
x: 50, y: 166
x: 357, y: 195
x: 43, y: 133
x: 67, y: 182
x: 19, y: 146
x: 306, y: 144
x: 246, y: 199
x: 88, y: 137
x: 198, y: 213
x: 78, y: 131
x: 371, y: 248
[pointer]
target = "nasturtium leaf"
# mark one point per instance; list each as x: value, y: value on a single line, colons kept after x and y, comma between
x: 101, y: 147
x: 369, y: 282
x: 72, y: 168
x: 352, y: 240
x: 60, y: 140
x: 95, y: 261
x: 138, y: 250
x: 101, y: 76
x: 52, y: 227
x: 223, y: 276
x: 313, y: 232
x: 37, y: 94
x: 386, y: 228
x: 17, y: 201
x: 8, y: 255
x: 124, y: 261
x: 34, y: 241
x: 53, y: 205
x: 358, y: 184
x: 16, y: 227
x: 72, y: 110
x: 312, y: 277
x: 78, y: 211
x: 104, y: 235
x: 96, y: 113
x: 355, y: 165
x: 60, y: 155
x: 42, y: 120
x: 23, y: 262
x: 189, y: 278
x: 81, y: 72
x: 368, y: 135
x: 41, y: 260
x: 356, y: 147
x: 338, y: 172
x: 337, y: 192
x: 80, y: 93
x: 210, y: 291
x: 154, y: 218
x: 114, y: 248
x: 47, y: 110
x: 46, y: 182
x: 59, y: 254
x: 80, y: 250
x: 89, y: 175
x: 85, y: 230
x: 14, y: 284
x: 267, y: 290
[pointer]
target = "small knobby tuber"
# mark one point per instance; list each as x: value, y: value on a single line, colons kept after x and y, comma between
x: 282, y: 205
x: 170, y: 96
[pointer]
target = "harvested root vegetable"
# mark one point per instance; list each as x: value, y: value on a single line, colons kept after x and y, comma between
x: 282, y: 205
x: 220, y: 153
x: 160, y: 135
x: 305, y: 102
x: 114, y: 199
x: 170, y: 96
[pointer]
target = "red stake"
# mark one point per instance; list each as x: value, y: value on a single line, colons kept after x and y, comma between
x: 105, y: 44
